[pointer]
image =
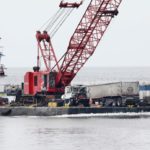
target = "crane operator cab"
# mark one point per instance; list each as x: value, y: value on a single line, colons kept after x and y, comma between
x: 39, y: 81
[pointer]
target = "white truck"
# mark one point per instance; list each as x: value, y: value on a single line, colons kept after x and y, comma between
x: 118, y: 92
x: 74, y: 90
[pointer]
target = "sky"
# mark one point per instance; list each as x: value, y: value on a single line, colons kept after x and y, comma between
x: 125, y: 43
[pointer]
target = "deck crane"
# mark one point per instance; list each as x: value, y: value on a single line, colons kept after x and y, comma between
x: 59, y: 73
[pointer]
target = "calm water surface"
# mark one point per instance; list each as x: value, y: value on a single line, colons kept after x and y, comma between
x: 42, y: 133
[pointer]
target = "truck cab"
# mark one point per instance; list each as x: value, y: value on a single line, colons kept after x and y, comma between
x: 75, y: 91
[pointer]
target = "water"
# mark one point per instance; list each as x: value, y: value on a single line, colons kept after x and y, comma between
x: 78, y: 132
x: 37, y: 133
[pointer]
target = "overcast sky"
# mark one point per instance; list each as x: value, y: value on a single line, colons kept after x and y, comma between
x: 126, y: 42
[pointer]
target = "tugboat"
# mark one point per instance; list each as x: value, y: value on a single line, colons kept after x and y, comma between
x: 2, y: 68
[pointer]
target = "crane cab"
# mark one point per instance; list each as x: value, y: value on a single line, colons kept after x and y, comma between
x: 33, y: 82
x: 38, y: 81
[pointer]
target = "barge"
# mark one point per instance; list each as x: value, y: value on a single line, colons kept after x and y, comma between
x: 110, y: 98
x: 59, y: 111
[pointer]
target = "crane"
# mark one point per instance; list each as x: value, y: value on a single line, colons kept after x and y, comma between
x: 59, y: 73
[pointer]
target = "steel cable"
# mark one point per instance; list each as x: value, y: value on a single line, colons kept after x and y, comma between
x: 56, y: 17
x: 60, y: 23
x: 50, y: 19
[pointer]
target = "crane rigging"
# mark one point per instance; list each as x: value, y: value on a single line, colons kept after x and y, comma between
x: 87, y: 35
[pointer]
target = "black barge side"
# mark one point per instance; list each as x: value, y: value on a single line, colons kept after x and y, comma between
x: 47, y: 111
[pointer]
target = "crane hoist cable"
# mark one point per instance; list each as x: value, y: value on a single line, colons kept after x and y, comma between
x: 55, y: 19
x: 60, y: 23
x: 50, y: 19
x: 53, y: 24
x: 64, y: 17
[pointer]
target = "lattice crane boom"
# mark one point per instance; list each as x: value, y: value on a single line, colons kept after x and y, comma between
x: 86, y: 37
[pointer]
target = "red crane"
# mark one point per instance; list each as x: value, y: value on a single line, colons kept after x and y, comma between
x: 82, y: 45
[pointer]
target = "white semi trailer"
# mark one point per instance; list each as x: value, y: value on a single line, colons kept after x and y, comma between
x: 118, y: 89
x: 118, y: 92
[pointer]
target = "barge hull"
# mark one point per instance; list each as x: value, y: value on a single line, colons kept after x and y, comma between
x: 47, y: 111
